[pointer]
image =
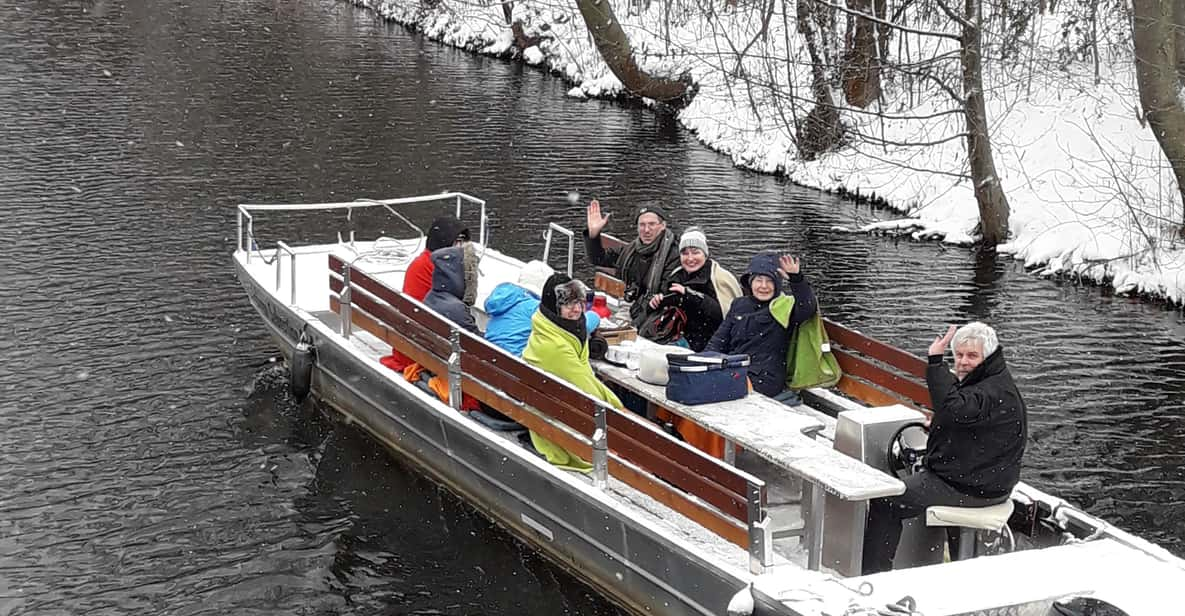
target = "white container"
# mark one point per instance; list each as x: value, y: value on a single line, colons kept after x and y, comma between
x: 652, y: 366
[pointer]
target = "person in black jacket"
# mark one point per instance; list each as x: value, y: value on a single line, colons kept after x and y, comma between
x: 977, y: 438
x: 760, y: 323
x: 643, y: 263
x: 701, y: 287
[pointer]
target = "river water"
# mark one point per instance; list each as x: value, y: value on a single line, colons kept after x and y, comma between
x: 152, y: 462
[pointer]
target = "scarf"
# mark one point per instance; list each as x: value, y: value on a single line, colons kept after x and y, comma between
x: 575, y: 327
x: 658, y: 249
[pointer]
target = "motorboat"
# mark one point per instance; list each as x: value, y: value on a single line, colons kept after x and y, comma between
x: 774, y: 526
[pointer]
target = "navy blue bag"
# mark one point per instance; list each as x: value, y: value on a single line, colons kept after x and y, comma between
x: 707, y: 377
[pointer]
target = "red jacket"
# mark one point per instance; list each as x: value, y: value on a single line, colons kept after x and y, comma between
x: 417, y: 282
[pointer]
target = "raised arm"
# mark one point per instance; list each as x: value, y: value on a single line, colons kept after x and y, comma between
x: 964, y: 406
x: 597, y: 255
x: 805, y: 303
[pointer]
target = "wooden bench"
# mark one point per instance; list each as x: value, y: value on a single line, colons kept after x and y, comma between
x: 721, y: 498
x: 878, y: 374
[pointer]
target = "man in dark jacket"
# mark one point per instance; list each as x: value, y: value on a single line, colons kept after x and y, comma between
x: 977, y: 438
x: 643, y: 263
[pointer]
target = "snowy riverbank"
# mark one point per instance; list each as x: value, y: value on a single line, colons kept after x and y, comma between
x: 1090, y: 190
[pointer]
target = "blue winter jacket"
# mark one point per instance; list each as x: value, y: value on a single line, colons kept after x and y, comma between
x: 751, y: 328
x: 510, y: 307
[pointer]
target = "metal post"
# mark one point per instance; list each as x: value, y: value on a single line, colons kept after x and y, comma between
x: 814, y: 524
x: 459, y: 208
x: 347, y: 297
x: 761, y: 543
x: 730, y: 453
x: 571, y: 245
x: 279, y: 263
x: 600, y: 449
x: 292, y: 276
x: 239, y: 219
x: 454, y: 369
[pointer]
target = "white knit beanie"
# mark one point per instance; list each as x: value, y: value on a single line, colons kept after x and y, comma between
x: 695, y: 238
x: 533, y: 275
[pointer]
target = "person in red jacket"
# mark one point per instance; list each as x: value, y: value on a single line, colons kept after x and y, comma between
x: 417, y: 282
x: 446, y: 231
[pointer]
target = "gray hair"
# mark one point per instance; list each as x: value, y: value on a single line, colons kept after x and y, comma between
x: 976, y: 332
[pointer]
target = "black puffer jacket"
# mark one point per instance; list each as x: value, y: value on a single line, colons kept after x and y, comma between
x: 979, y: 428
x: 751, y: 328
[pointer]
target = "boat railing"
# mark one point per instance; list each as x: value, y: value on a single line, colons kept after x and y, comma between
x: 247, y: 211
x: 551, y: 226
x: 723, y: 499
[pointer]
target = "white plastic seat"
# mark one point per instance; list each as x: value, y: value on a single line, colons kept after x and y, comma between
x: 970, y: 520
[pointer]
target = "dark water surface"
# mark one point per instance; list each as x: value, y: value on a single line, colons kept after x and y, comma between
x: 150, y: 460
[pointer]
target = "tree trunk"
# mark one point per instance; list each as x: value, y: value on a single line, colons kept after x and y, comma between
x: 615, y: 49
x: 861, y: 69
x: 1159, y: 82
x: 989, y: 194
x: 1179, y: 30
x: 820, y: 130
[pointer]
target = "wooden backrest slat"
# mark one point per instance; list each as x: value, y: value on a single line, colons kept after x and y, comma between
x: 399, y: 321
x: 473, y: 368
x: 608, y: 284
x: 855, y: 366
x: 732, y: 531
x: 398, y: 300
x: 705, y: 477
x: 678, y: 453
x: 396, y: 339
x: 627, y: 473
x: 851, y: 339
x: 543, y: 382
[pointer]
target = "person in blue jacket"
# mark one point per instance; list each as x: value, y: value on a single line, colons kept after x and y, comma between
x: 511, y: 305
x: 761, y: 323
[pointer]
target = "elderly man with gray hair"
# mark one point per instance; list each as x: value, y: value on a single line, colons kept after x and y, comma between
x: 977, y: 439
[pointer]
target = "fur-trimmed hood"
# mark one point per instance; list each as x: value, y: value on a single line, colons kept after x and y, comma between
x: 455, y: 272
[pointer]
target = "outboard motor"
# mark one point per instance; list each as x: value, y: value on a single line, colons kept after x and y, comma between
x: 303, y: 358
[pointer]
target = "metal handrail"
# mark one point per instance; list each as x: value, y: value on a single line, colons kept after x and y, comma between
x: 245, y: 209
x: 551, y: 226
x: 292, y: 269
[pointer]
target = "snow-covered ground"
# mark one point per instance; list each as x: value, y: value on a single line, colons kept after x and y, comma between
x: 1091, y: 192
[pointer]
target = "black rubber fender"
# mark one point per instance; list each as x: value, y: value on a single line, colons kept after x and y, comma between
x: 303, y: 359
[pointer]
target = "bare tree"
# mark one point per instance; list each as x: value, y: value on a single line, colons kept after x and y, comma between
x: 1159, y: 78
x: 989, y: 194
x: 861, y: 61
x: 614, y: 47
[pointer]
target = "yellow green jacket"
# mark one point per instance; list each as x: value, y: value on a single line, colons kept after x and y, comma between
x: 556, y: 351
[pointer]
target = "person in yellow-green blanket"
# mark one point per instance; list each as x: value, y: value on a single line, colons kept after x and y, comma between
x: 559, y: 345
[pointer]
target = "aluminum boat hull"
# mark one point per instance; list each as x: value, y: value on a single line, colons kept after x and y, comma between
x: 589, y: 537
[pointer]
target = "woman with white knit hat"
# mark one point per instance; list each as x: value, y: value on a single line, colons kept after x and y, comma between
x: 701, y: 287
